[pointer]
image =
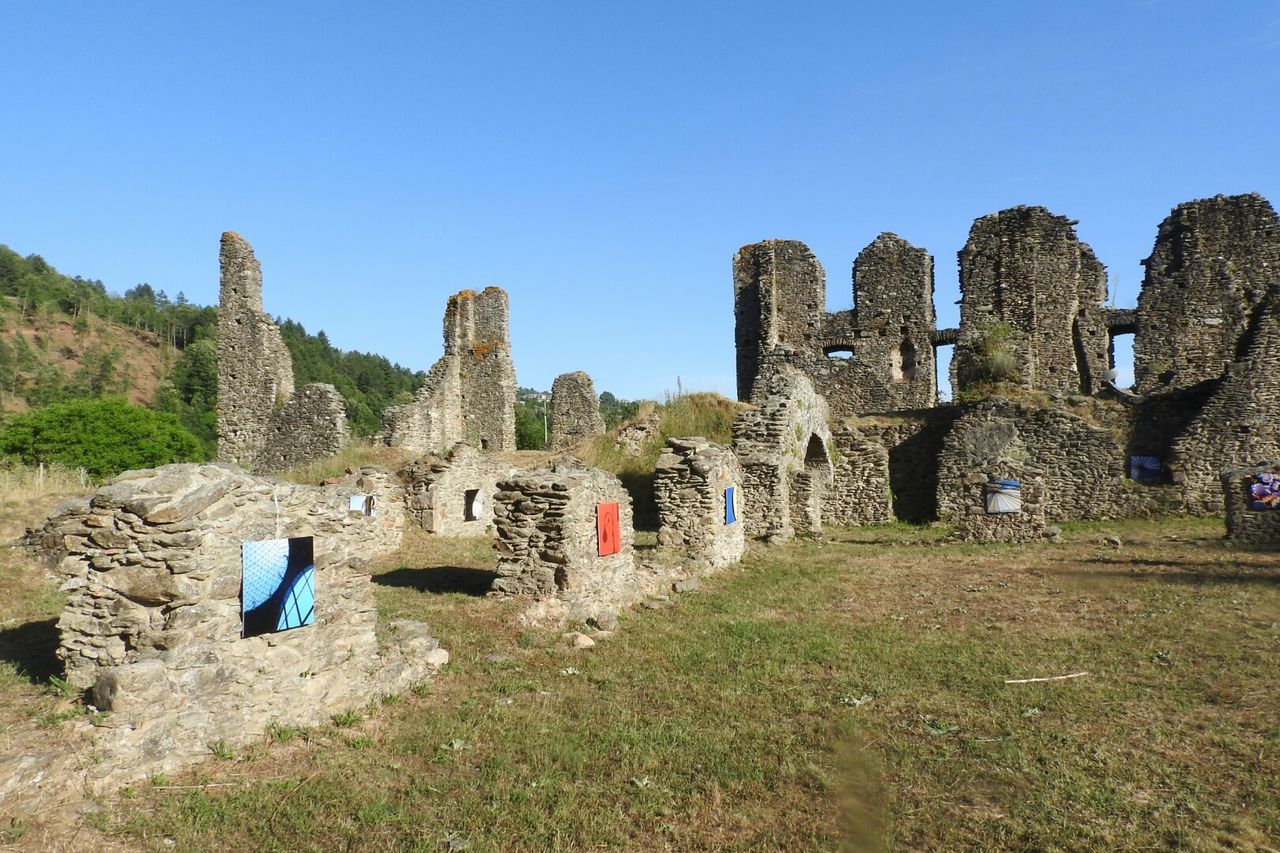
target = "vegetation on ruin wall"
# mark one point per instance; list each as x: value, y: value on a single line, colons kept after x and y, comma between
x: 842, y: 694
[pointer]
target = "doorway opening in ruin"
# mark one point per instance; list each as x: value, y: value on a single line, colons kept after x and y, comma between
x: 1120, y: 359
x: 809, y: 486
x: 903, y: 361
x: 942, y: 371
x: 1082, y: 360
x: 471, y: 505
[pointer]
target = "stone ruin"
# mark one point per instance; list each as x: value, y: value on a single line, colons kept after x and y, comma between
x: 1253, y: 519
x: 1206, y: 333
x: 470, y: 392
x: 557, y: 546
x: 783, y: 443
x: 633, y: 435
x: 697, y: 488
x: 152, y: 564
x: 575, y: 411
x: 982, y: 517
x: 264, y: 424
x: 452, y: 494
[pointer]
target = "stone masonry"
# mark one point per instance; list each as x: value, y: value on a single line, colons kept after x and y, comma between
x: 1246, y: 525
x: 690, y: 489
x: 575, y: 411
x: 263, y: 425
x: 859, y: 492
x: 152, y: 625
x: 470, y: 392
x: 876, y: 357
x: 1025, y: 276
x: 976, y: 524
x: 547, y: 545
x: 452, y: 494
x: 1213, y: 262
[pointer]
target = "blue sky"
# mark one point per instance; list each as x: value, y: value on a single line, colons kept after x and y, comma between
x: 602, y: 161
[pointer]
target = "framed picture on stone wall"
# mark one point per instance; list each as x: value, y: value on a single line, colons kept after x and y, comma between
x: 277, y: 585
x: 608, y: 536
x: 1264, y: 491
x: 1146, y: 469
x: 1002, y: 496
x: 730, y: 505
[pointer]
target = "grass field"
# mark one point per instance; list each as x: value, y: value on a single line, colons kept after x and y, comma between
x: 849, y: 692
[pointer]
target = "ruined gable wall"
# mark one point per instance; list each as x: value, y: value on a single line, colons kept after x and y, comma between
x: 691, y: 477
x: 436, y: 488
x: 575, y: 411
x: 312, y: 425
x: 1210, y: 269
x: 1025, y: 268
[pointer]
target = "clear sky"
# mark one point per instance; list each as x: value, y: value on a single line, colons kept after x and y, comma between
x: 602, y: 161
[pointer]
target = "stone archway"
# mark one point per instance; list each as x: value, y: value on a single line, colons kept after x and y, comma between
x: 809, y: 486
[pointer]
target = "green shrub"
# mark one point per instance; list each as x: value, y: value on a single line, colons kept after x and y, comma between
x: 104, y: 437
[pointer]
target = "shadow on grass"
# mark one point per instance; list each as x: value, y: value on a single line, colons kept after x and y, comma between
x: 440, y: 579
x: 32, y: 648
x: 1174, y: 572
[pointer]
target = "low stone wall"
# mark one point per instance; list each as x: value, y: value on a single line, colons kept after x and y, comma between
x: 690, y: 485
x: 977, y: 523
x: 1247, y: 525
x: 453, y: 494
x: 859, y: 491
x: 152, y: 627
x: 548, y: 547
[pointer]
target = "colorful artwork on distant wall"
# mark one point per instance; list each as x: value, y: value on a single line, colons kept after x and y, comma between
x: 277, y: 585
x: 608, y: 537
x: 1003, y: 496
x: 1146, y: 469
x: 1264, y: 490
x: 730, y: 505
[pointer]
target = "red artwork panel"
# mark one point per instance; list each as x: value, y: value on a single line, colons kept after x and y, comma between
x: 608, y: 538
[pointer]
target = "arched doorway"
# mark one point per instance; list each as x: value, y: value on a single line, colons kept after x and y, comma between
x: 809, y: 487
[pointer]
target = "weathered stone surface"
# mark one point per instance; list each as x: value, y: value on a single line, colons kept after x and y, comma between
x: 262, y: 424
x: 158, y: 639
x: 689, y: 487
x: 975, y: 524
x: 438, y: 491
x: 575, y: 411
x: 470, y: 393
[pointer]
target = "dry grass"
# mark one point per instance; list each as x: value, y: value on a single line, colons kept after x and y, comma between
x: 845, y: 691
x: 356, y: 454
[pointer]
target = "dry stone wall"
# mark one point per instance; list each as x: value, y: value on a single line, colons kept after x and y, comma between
x: 1247, y: 525
x: 453, y: 494
x: 152, y: 627
x: 548, y: 545
x: 859, y: 491
x: 977, y: 523
x: 1025, y: 276
x: 263, y: 425
x: 470, y: 392
x: 694, y: 509
x: 1213, y: 262
x: 575, y: 411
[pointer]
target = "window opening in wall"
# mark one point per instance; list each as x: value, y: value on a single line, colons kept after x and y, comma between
x: 903, y: 362
x: 942, y: 366
x: 842, y: 353
x: 1121, y: 360
x: 472, y: 505
x: 484, y: 444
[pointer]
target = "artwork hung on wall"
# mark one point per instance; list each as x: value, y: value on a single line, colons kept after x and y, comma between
x: 1264, y: 490
x: 1146, y: 469
x: 277, y: 585
x: 730, y: 505
x: 361, y: 505
x: 473, y: 505
x: 608, y: 537
x: 1003, y: 496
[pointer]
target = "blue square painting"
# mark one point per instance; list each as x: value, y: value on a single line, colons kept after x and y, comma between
x: 277, y: 585
x: 1146, y: 469
x: 730, y: 511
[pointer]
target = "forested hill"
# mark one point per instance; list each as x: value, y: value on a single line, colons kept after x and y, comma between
x: 66, y: 338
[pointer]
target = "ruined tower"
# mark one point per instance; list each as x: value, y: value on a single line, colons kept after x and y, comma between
x: 575, y: 411
x: 876, y: 357
x: 263, y: 425
x: 1207, y: 275
x: 470, y: 392
x: 1032, y: 307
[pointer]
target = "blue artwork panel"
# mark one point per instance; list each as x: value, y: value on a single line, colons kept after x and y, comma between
x: 1264, y: 491
x: 1146, y: 469
x: 730, y: 511
x: 277, y: 585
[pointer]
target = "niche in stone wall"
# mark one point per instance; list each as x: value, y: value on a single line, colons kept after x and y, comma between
x: 903, y: 361
x: 472, y: 505
x: 277, y: 585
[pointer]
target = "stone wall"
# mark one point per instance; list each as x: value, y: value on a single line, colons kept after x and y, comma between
x: 152, y: 625
x: 859, y: 492
x: 263, y: 425
x: 875, y: 357
x: 977, y: 524
x: 1245, y: 525
x: 782, y: 443
x: 1240, y: 424
x: 912, y: 441
x: 575, y: 411
x: 470, y: 392
x: 1212, y: 264
x: 690, y: 490
x: 548, y: 549
x: 441, y: 492
x: 1025, y: 276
